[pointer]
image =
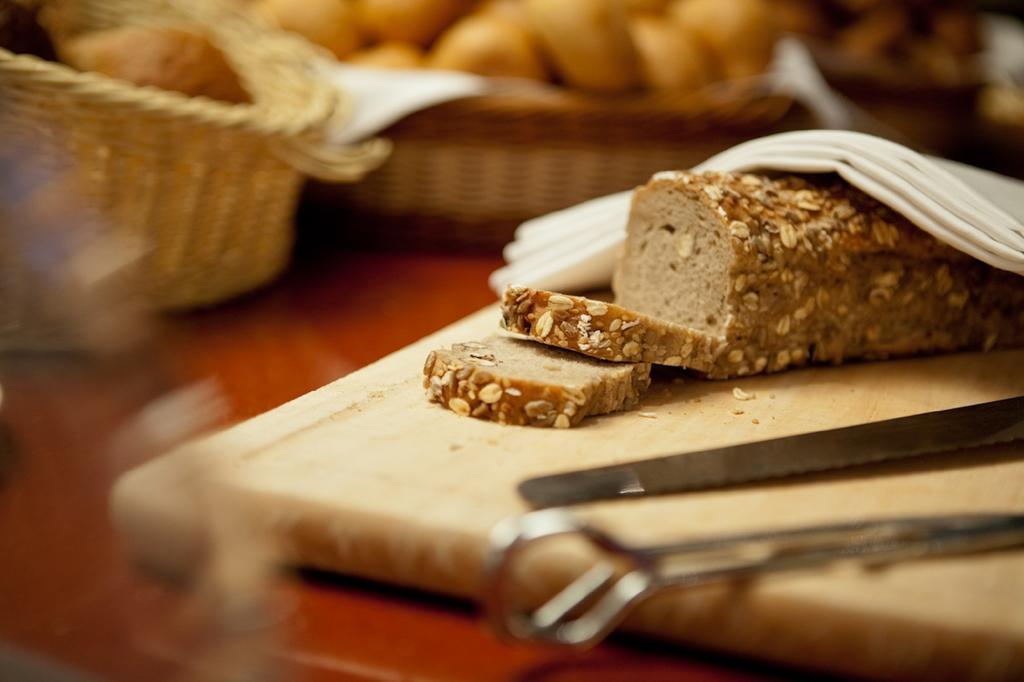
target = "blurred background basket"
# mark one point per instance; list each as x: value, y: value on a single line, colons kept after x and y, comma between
x: 205, y: 189
x: 465, y: 173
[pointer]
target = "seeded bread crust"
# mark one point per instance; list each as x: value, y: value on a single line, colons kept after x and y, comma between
x: 486, y: 380
x: 732, y: 275
x: 818, y: 272
x: 607, y: 331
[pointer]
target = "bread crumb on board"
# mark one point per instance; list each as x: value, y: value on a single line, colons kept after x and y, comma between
x: 739, y: 394
x: 755, y: 420
x: 647, y: 415
x: 737, y: 411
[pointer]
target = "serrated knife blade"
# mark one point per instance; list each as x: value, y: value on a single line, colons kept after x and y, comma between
x: 989, y: 423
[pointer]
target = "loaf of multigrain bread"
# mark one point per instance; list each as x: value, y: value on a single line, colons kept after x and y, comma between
x: 771, y: 273
x: 512, y: 381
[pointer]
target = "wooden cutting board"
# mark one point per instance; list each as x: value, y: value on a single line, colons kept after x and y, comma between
x: 365, y: 477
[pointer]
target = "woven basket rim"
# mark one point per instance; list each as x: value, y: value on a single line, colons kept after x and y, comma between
x: 298, y: 126
x: 555, y: 97
x: 157, y: 101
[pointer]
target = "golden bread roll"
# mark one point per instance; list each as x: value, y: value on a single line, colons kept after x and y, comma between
x: 170, y: 58
x: 741, y: 34
x: 390, y: 55
x: 331, y: 24
x: 670, y: 57
x: 490, y: 45
x: 513, y: 10
x: 411, y: 21
x: 587, y: 41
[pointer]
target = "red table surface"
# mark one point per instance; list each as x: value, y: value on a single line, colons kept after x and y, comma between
x: 68, y: 592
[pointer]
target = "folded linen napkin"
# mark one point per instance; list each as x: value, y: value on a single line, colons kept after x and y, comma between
x: 385, y: 96
x: 975, y: 211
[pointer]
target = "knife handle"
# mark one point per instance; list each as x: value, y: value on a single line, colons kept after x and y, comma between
x: 618, y: 577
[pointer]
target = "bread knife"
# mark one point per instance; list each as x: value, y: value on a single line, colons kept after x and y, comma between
x: 1000, y: 421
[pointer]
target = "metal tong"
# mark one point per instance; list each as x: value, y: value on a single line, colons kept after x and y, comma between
x: 592, y: 605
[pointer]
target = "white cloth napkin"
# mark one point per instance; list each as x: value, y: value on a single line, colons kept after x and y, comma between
x: 384, y: 96
x: 975, y: 211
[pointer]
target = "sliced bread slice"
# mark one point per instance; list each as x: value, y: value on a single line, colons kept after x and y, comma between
x: 513, y: 381
x: 608, y: 331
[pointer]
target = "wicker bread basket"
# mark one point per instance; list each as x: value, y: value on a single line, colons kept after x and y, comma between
x: 463, y: 174
x: 208, y: 189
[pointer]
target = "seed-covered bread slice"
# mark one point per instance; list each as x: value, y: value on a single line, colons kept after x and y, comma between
x: 513, y: 381
x: 805, y: 269
x: 606, y: 331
